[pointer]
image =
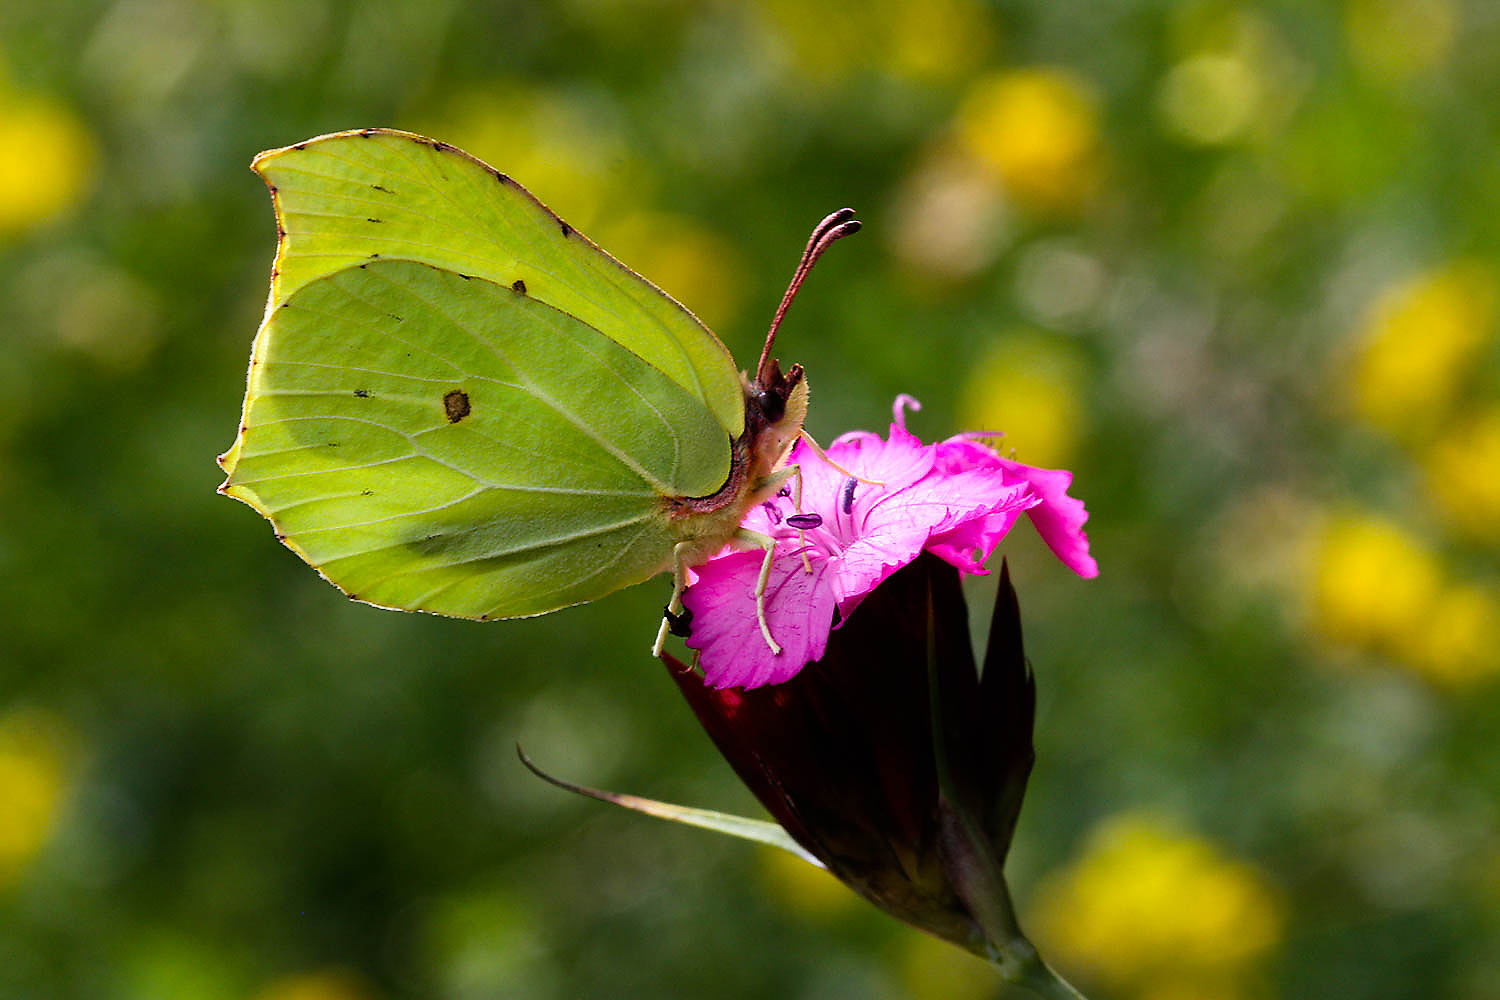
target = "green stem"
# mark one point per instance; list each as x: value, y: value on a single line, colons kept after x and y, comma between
x: 1020, y: 965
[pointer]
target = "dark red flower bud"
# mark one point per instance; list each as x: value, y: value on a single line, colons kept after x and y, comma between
x: 892, y: 760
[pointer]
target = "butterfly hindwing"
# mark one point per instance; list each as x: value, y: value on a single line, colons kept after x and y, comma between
x: 437, y: 441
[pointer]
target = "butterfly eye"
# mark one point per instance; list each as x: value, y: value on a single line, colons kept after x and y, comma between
x: 772, y: 404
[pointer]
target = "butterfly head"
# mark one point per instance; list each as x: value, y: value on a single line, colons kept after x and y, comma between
x: 775, y: 407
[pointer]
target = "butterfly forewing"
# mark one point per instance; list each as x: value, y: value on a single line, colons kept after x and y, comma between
x: 350, y: 197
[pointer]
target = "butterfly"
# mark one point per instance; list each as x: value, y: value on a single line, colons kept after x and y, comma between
x: 459, y: 404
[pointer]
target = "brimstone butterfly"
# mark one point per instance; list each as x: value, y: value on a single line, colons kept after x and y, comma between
x: 459, y: 404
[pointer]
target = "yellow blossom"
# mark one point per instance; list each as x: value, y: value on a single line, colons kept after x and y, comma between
x: 327, y: 984
x: 46, y: 161
x: 1419, y: 341
x: 1372, y: 583
x: 1459, y: 642
x: 1037, y: 129
x: 1159, y: 913
x: 1463, y: 475
x: 33, y: 781
x: 1028, y: 387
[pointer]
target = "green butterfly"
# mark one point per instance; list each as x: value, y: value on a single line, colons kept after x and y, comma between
x: 459, y: 404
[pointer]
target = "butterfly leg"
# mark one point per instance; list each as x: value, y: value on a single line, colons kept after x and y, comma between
x: 680, y: 555
x: 754, y: 539
x: 817, y: 449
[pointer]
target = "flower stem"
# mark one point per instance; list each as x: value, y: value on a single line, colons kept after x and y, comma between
x: 1020, y: 965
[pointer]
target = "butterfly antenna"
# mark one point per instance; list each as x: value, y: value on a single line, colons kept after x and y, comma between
x: 835, y: 227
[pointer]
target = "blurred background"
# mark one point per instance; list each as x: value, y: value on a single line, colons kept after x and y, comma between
x: 1236, y: 264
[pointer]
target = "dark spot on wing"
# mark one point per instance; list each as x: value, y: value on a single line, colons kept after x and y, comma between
x: 382, y: 187
x: 366, y: 133
x: 374, y: 255
x: 272, y: 187
x: 366, y: 493
x: 394, y: 317
x: 362, y: 393
x: 300, y: 145
x: 518, y: 286
x: 372, y: 220
x: 456, y: 405
x: 567, y: 230
x: 467, y: 277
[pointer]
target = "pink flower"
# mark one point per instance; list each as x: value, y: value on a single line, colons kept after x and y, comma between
x: 956, y: 499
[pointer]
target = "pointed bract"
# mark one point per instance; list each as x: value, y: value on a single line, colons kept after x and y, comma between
x: 851, y: 756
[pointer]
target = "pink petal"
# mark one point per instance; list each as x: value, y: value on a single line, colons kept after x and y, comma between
x: 971, y: 543
x: 1058, y: 518
x: 894, y: 463
x: 799, y: 610
x: 866, y: 563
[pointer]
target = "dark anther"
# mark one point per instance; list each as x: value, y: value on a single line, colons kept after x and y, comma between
x: 849, y: 485
x: 772, y: 512
x: 805, y: 522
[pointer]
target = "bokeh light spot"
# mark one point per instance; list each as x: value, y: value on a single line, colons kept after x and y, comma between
x: 46, y: 161
x: 1029, y: 387
x: 34, y: 752
x: 1396, y: 40
x: 1209, y: 99
x: 1418, y: 345
x: 804, y: 888
x: 1159, y: 912
x: 1038, y: 130
x: 1463, y: 475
